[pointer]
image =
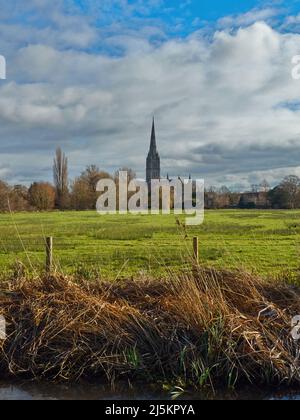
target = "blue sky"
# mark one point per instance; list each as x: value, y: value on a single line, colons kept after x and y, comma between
x: 181, y: 17
x: 176, y: 18
x: 88, y: 75
x: 186, y: 10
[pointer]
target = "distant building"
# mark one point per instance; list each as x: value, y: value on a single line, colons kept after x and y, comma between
x: 153, y: 159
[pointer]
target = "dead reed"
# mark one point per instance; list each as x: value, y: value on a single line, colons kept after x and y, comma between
x: 212, y: 328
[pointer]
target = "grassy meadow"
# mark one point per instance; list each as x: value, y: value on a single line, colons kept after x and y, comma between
x: 86, y: 243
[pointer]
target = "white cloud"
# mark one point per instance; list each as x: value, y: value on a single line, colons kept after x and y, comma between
x: 223, y: 107
x: 248, y: 18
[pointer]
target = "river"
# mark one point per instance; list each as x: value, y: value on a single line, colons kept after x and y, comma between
x: 47, y: 391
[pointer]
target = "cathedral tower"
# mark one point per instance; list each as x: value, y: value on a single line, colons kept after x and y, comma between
x: 153, y: 159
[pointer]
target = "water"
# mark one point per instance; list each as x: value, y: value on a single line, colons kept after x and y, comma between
x: 47, y: 391
x: 84, y: 391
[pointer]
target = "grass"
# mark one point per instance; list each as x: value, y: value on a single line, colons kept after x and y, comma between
x: 265, y: 242
x: 206, y: 329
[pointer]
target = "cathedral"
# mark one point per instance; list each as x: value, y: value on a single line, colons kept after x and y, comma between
x: 153, y: 159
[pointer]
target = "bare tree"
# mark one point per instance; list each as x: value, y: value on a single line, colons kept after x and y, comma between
x: 224, y: 190
x: 60, y: 175
x: 265, y: 186
x: 92, y: 175
x: 254, y: 188
x: 84, y: 189
x: 4, y: 196
x: 131, y: 175
x: 291, y: 187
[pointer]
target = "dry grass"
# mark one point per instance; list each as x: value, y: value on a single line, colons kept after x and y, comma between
x: 209, y: 328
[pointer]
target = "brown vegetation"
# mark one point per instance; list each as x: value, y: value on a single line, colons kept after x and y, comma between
x: 42, y: 196
x: 84, y: 189
x: 210, y: 328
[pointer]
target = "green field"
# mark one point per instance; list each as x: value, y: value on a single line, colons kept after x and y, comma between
x: 87, y: 243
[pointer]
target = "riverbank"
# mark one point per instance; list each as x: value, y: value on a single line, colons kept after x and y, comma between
x: 207, y: 329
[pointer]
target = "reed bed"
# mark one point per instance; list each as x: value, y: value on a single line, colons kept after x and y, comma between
x: 208, y: 328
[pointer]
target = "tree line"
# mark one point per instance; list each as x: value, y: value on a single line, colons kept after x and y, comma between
x: 286, y: 195
x: 80, y: 193
x: 62, y: 194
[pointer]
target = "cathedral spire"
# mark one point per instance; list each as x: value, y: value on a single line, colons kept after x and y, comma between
x: 153, y: 159
x: 153, y: 147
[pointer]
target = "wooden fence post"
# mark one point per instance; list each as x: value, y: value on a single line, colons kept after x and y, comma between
x: 196, y: 249
x: 49, y: 254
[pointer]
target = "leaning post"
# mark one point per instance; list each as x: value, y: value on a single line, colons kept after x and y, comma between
x: 196, y: 249
x: 49, y: 254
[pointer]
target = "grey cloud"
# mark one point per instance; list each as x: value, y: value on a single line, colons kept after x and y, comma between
x: 262, y: 157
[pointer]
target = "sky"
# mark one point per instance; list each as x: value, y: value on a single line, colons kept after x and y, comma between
x: 88, y: 75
